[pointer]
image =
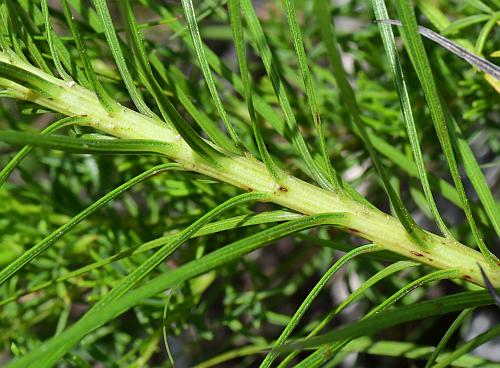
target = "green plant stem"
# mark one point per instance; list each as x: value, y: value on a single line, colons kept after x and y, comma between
x: 245, y: 172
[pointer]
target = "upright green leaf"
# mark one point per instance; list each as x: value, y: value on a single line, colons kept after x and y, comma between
x: 167, y: 109
x: 239, y: 41
x: 474, y: 172
x: 418, y: 56
x: 470, y: 345
x: 114, y: 46
x: 446, y: 337
x: 104, y: 97
x: 202, y: 59
x: 23, y: 28
x: 308, y: 83
x: 404, y: 100
x: 50, y: 40
x: 142, y: 61
x: 259, y: 39
x: 329, y: 37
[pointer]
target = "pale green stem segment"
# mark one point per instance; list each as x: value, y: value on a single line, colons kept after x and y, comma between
x: 249, y: 174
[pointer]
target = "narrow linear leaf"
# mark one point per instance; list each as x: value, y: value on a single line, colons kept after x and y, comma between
x: 167, y: 109
x: 88, y: 14
x: 304, y: 306
x: 483, y: 36
x: 51, y: 351
x: 189, y: 13
x: 329, y: 37
x: 43, y: 245
x: 418, y: 56
x: 6, y: 47
x: 22, y: 26
x: 404, y: 100
x: 239, y: 41
x: 473, y: 171
x: 325, y: 353
x: 356, y: 294
x: 270, y: 64
x: 447, y: 336
x: 82, y: 145
x: 8, y: 28
x: 479, y: 5
x: 465, y: 22
x: 396, y: 316
x: 307, y: 79
x: 261, y: 106
x: 470, y: 345
x: 60, y: 52
x: 49, y: 33
x: 7, y: 170
x: 114, y: 46
x: 108, y: 103
x: 366, y: 345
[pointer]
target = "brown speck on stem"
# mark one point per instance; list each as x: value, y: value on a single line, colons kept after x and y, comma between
x: 416, y: 253
x: 282, y: 189
x: 353, y: 231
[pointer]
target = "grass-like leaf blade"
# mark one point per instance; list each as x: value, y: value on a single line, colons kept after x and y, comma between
x: 51, y: 351
x: 49, y: 32
x: 418, y: 56
x: 355, y: 295
x: 304, y: 306
x: 6, y: 171
x: 329, y: 37
x: 106, y: 100
x: 202, y: 59
x: 404, y: 99
x: 50, y: 239
x: 298, y: 43
x: 240, y: 44
x: 324, y: 353
x: 114, y: 46
x: 257, y: 35
x: 446, y: 337
x: 407, y: 313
